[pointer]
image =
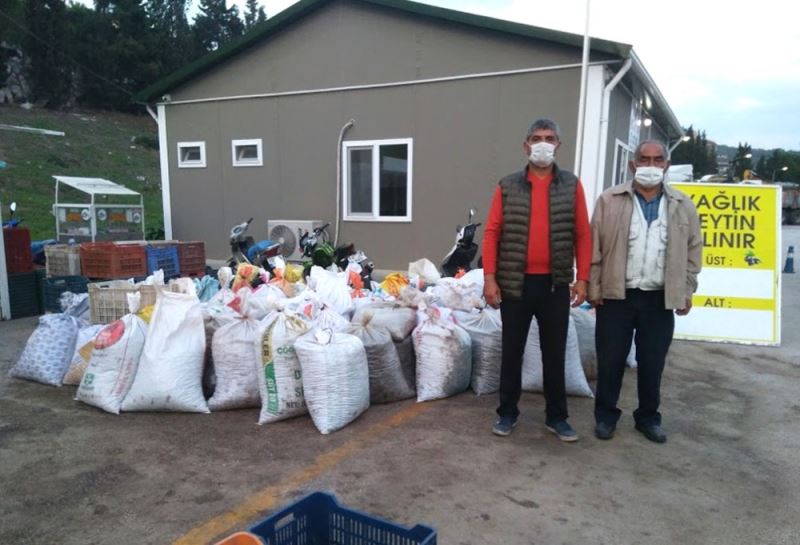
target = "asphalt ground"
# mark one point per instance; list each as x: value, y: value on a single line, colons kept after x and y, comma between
x: 71, y: 474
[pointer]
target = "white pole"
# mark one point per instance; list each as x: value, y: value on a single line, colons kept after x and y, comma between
x: 582, y: 98
x: 5, y: 305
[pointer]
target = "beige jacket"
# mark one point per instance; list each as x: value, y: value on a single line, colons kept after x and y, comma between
x: 611, y: 222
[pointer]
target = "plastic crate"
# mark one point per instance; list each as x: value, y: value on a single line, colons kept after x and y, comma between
x: 57, y: 285
x: 319, y: 519
x: 41, y: 274
x: 18, y: 249
x: 192, y: 258
x: 108, y: 260
x: 108, y: 301
x: 22, y: 295
x: 63, y: 259
x: 164, y: 257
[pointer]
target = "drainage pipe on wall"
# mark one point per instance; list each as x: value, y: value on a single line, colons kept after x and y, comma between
x: 339, y: 179
x: 601, y: 159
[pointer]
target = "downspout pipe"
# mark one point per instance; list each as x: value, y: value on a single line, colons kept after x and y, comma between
x: 601, y: 159
x: 582, y: 97
x: 339, y: 179
x: 152, y: 113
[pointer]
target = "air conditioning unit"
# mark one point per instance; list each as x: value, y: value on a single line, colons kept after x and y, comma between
x: 287, y: 233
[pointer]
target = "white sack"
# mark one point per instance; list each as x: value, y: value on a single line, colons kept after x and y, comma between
x: 115, y: 358
x: 386, y: 379
x: 84, y: 344
x: 456, y: 295
x: 328, y: 318
x: 280, y: 382
x: 585, y: 324
x: 425, y: 269
x: 332, y: 289
x: 399, y: 321
x: 234, y: 360
x: 49, y: 350
x: 532, y: 376
x: 444, y: 358
x: 485, y: 328
x: 170, y: 373
x: 408, y: 361
x: 335, y: 378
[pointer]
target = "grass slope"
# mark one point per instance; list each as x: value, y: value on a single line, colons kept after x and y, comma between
x: 96, y: 144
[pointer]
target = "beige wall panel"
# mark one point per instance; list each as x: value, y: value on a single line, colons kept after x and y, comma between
x: 346, y: 44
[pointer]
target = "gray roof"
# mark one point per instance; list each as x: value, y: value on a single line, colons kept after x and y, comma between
x: 301, y: 9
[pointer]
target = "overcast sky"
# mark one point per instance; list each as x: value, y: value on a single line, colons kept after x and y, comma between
x: 729, y: 67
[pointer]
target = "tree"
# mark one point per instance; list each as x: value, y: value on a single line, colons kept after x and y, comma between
x: 216, y: 25
x: 698, y: 152
x: 173, y: 35
x: 254, y: 15
x: 45, y: 46
x: 740, y: 161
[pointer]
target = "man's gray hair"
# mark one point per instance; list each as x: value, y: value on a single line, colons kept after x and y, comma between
x: 638, y: 153
x: 543, y: 124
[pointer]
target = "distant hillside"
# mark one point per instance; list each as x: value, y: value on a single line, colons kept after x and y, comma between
x: 119, y: 147
x: 730, y: 152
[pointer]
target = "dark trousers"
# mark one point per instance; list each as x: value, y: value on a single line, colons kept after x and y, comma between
x: 550, y: 306
x: 644, y: 312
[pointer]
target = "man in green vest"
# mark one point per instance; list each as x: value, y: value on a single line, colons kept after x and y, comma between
x: 537, y: 228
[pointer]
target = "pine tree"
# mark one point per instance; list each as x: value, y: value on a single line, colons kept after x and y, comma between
x: 216, y: 25
x: 45, y: 46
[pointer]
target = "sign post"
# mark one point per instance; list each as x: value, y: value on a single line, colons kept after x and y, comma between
x: 738, y: 298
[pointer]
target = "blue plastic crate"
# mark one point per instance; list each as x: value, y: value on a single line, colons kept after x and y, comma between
x: 57, y: 285
x: 164, y: 258
x: 318, y: 519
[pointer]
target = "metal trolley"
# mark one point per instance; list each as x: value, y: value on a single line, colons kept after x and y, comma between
x: 111, y: 213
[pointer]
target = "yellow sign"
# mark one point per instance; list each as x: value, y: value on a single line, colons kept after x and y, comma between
x: 738, y: 295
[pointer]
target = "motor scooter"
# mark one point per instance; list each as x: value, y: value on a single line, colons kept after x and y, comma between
x: 464, y: 250
x: 244, y: 249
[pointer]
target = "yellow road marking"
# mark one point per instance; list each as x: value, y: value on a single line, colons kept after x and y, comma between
x: 269, y: 497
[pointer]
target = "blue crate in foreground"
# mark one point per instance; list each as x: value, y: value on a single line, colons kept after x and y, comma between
x: 318, y: 519
x: 165, y: 258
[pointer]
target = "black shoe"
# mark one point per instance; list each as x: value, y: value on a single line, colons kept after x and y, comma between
x: 604, y: 431
x: 653, y: 432
x: 504, y: 426
x: 563, y: 431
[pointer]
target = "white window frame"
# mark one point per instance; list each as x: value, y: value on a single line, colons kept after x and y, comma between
x: 375, y: 144
x: 201, y: 163
x: 257, y: 162
x: 628, y: 150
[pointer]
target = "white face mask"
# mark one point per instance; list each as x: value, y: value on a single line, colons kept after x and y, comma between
x: 542, y: 154
x: 649, y: 176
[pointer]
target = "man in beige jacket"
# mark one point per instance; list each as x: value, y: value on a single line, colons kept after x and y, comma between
x: 646, y: 255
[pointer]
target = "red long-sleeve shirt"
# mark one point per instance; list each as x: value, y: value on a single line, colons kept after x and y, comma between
x: 539, y: 230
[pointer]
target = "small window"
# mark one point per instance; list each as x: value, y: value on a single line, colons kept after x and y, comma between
x: 191, y: 154
x: 247, y: 153
x: 377, y: 180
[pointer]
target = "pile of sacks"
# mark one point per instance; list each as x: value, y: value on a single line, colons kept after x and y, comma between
x: 321, y: 347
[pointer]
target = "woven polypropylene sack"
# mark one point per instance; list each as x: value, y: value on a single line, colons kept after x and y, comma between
x: 49, y: 350
x: 335, y: 377
x: 408, y: 361
x: 280, y: 378
x: 170, y: 372
x: 387, y: 382
x: 532, y: 375
x: 398, y: 320
x: 444, y: 359
x: 84, y: 344
x: 485, y: 329
x: 112, y: 367
x: 585, y: 325
x: 235, y: 371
